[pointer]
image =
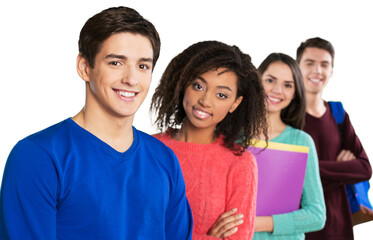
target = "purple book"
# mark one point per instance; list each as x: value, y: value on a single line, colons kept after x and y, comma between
x: 281, y: 170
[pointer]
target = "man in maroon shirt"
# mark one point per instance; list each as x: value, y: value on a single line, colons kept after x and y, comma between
x: 341, y: 162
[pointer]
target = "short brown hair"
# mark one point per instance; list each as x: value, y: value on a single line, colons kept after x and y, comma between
x: 315, y: 43
x: 111, y: 21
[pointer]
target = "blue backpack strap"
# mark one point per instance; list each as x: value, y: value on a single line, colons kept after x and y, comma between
x: 352, y: 198
x: 337, y: 111
x: 357, y: 193
x: 339, y: 116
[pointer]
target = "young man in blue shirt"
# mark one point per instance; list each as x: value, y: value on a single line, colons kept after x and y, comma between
x: 94, y: 176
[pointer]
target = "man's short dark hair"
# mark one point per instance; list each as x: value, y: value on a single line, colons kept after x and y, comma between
x: 315, y: 43
x: 111, y: 21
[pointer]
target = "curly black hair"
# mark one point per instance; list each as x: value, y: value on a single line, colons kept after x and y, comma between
x: 238, y: 128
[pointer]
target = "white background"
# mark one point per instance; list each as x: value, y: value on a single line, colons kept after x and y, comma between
x: 39, y: 85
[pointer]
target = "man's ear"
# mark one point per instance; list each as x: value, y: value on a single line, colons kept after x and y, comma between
x: 82, y: 67
x: 236, y: 104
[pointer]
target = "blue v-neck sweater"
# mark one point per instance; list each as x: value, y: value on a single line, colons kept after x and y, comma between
x: 65, y: 183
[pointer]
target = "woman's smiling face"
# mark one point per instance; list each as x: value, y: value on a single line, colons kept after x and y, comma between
x: 210, y: 97
x: 279, y: 86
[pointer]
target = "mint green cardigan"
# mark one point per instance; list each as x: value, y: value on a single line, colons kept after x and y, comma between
x: 312, y: 215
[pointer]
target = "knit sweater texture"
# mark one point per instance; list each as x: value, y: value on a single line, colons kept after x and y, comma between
x: 216, y: 181
x: 311, y: 214
x: 334, y: 175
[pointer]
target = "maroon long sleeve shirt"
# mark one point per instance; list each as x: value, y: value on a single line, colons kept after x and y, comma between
x: 334, y: 175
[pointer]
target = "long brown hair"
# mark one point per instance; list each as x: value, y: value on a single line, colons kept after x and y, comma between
x: 294, y: 113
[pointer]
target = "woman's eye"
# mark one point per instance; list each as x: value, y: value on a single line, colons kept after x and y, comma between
x: 222, y: 95
x: 288, y: 85
x: 197, y: 86
x: 269, y: 80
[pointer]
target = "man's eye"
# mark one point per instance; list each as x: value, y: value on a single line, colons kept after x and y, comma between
x: 114, y: 63
x: 144, y: 66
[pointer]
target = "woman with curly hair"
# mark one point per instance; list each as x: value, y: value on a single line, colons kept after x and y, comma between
x: 209, y: 104
x: 286, y: 106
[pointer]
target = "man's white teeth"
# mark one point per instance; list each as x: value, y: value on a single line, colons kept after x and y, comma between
x: 126, y: 94
x: 316, y: 80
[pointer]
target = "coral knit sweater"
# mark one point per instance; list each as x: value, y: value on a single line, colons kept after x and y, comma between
x: 216, y: 181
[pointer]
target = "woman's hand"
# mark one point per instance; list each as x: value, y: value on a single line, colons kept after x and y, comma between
x: 226, y: 224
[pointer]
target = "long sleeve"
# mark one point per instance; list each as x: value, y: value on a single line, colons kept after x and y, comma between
x: 348, y: 172
x: 241, y: 194
x: 204, y: 237
x: 334, y: 175
x: 28, y: 194
x: 179, y: 220
x: 329, y: 144
x: 216, y: 181
x: 312, y: 214
x: 65, y: 183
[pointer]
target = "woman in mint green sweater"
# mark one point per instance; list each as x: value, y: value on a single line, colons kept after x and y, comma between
x: 285, y: 101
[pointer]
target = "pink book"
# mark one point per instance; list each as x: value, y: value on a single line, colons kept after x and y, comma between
x: 281, y: 171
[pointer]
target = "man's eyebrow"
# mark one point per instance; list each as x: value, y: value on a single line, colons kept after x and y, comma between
x: 309, y: 60
x: 115, y: 56
x: 146, y: 60
x: 313, y: 61
x: 143, y: 59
